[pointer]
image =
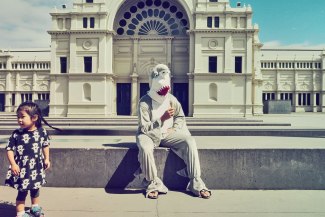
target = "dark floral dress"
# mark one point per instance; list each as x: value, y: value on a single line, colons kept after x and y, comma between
x: 28, y: 149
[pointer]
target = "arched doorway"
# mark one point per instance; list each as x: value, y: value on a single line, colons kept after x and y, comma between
x: 149, y: 32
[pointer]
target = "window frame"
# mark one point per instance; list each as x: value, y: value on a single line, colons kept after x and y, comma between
x: 92, y: 22
x: 85, y: 22
x: 237, y: 66
x: 209, y: 22
x: 217, y: 22
x: 63, y: 65
x: 88, y: 64
x: 213, y: 64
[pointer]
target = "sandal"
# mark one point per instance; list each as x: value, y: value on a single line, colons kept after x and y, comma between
x: 204, y: 195
x: 153, y: 195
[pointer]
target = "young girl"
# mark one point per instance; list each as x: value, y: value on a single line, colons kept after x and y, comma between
x: 28, y: 155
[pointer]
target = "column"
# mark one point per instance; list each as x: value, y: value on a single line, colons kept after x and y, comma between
x: 73, y: 55
x: 295, y: 94
x: 54, y: 23
x: 134, y: 78
x: 314, y: 102
x: 7, y: 104
x: 34, y: 87
x: 313, y: 93
x: 197, y: 53
x: 53, y: 100
x: 17, y: 81
x: 191, y: 93
x: 191, y: 75
x: 134, y: 94
x: 169, y: 53
x: 102, y: 55
x: 74, y: 22
x: 322, y: 96
x: 249, y: 55
x: 227, y: 57
x: 109, y: 51
x: 296, y: 101
x: 53, y: 56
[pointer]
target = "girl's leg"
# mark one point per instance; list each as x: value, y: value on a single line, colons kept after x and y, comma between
x: 36, y: 210
x: 20, y: 206
x: 20, y: 202
x: 34, y: 195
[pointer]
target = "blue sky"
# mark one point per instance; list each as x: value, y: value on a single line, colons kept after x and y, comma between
x: 289, y: 22
x: 283, y: 23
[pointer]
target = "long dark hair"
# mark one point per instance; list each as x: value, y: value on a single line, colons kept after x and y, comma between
x: 33, y: 109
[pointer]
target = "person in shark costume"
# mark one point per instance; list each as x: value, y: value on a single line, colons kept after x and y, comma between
x: 162, y: 123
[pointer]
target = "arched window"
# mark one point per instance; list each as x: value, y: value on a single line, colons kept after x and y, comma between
x: 213, y: 92
x: 152, y: 17
x: 87, y: 92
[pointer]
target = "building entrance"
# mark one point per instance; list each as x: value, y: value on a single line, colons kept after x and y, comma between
x: 123, y: 99
x: 2, y: 102
x: 180, y: 91
x: 144, y: 88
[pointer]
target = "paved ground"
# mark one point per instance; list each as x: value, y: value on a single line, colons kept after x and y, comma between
x: 94, y: 202
x: 85, y: 202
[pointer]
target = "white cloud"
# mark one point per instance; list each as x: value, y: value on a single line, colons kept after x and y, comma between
x: 24, y: 24
x: 304, y: 45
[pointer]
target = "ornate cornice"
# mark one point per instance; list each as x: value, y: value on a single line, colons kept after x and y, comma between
x: 70, y: 32
x: 83, y: 75
x: 221, y: 76
x: 78, y: 13
x: 121, y: 38
x: 221, y: 31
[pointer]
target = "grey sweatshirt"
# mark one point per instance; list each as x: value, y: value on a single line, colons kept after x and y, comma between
x: 152, y: 128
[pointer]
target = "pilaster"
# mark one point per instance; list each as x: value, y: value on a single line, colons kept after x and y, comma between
x: 134, y: 94
x: 191, y: 93
x: 228, y: 56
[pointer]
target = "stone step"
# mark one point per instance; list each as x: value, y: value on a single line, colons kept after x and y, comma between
x: 131, y: 131
x: 128, y: 126
x: 127, y: 119
x: 226, y: 162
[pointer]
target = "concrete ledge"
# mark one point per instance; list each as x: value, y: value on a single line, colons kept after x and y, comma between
x: 202, y: 131
x: 226, y: 163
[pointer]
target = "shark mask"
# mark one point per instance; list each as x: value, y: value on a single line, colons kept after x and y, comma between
x: 159, y: 83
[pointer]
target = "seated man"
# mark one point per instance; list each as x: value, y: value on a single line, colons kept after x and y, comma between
x: 162, y: 122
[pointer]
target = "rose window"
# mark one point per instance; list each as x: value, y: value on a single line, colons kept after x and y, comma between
x: 150, y: 18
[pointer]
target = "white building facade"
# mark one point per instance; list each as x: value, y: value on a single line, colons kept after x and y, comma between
x: 102, y: 51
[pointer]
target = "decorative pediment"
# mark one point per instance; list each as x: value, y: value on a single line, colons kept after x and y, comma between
x: 268, y: 86
x: 43, y: 85
x: 286, y: 86
x: 304, y: 86
x: 26, y: 85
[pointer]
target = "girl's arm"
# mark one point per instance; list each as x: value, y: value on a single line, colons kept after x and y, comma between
x: 14, y: 167
x: 46, y: 152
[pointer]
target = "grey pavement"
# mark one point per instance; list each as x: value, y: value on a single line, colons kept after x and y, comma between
x: 91, y: 202
x: 94, y: 202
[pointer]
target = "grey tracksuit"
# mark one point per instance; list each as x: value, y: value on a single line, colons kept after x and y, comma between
x: 181, y: 142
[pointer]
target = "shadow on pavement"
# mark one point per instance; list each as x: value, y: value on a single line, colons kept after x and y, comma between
x: 7, y: 209
x: 124, y: 173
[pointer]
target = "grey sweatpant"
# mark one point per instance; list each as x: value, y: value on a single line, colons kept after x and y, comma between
x: 184, y: 146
